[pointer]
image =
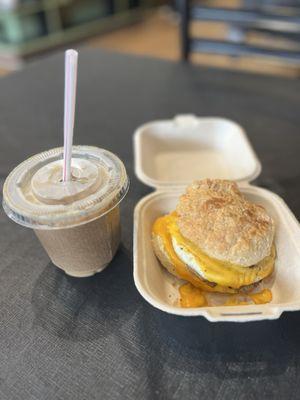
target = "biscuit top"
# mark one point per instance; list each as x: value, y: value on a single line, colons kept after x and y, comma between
x: 214, y: 215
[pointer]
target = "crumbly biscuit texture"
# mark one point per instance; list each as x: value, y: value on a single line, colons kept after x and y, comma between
x: 215, y: 216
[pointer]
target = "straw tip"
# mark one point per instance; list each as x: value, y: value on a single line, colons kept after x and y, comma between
x: 71, y: 53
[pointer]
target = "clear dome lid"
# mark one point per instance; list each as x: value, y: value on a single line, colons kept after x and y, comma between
x: 35, y: 196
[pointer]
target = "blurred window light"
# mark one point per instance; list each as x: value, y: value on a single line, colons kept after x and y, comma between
x: 8, y: 4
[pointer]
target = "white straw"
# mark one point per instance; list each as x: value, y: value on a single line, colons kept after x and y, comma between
x: 71, y: 62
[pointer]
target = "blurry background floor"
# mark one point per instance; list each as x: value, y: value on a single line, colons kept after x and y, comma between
x: 3, y: 72
x: 157, y: 35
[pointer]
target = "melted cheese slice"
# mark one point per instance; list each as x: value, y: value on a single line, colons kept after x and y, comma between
x: 227, y: 276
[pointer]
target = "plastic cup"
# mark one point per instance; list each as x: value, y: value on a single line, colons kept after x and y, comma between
x: 77, y: 222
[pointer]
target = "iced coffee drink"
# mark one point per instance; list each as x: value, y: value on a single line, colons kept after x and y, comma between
x: 77, y: 222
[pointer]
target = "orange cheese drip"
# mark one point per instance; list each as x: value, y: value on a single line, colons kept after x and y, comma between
x: 263, y: 297
x: 234, y: 301
x: 191, y: 296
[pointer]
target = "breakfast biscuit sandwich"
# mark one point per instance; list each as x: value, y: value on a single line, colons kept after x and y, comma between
x: 216, y: 239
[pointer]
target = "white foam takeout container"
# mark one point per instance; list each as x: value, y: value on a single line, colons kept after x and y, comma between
x: 169, y: 155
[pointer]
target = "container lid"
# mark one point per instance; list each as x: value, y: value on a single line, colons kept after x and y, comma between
x: 172, y: 153
x: 35, y: 196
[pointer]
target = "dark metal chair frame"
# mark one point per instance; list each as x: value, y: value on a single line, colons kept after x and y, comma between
x: 271, y: 20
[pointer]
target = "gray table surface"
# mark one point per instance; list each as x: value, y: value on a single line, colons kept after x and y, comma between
x: 96, y: 338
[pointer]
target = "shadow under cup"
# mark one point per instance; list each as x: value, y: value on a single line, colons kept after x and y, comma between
x: 86, y: 249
